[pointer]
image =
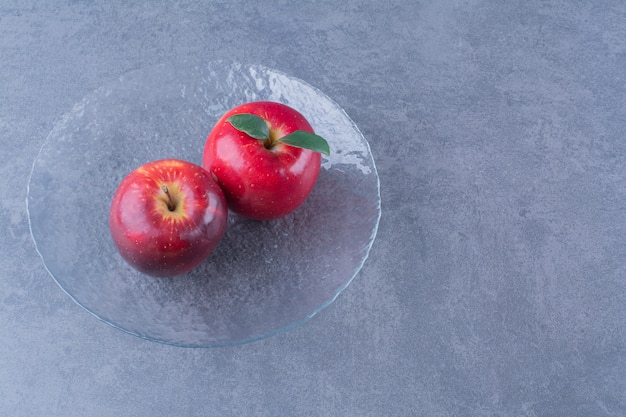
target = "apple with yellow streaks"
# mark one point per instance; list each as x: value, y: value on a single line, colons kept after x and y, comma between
x: 167, y: 216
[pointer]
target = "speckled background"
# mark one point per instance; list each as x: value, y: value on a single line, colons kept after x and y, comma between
x: 497, y: 283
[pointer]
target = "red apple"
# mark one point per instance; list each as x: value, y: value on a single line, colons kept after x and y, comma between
x: 265, y: 157
x: 167, y: 216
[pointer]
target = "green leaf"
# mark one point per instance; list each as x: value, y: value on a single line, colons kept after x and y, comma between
x: 306, y: 140
x: 251, y: 124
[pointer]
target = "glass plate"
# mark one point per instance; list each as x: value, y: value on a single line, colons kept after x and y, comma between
x: 264, y: 277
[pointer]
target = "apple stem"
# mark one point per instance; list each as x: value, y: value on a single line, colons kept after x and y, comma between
x: 272, y: 138
x: 171, y: 206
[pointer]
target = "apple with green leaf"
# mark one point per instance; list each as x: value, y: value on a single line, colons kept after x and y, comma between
x: 167, y: 216
x: 266, y: 158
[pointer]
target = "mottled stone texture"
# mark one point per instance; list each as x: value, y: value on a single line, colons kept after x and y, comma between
x: 497, y: 283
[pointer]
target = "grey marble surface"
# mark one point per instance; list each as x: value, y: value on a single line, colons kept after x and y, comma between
x: 497, y: 282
